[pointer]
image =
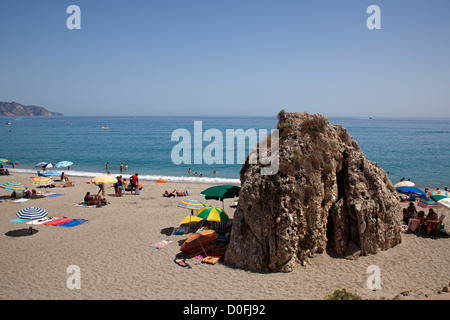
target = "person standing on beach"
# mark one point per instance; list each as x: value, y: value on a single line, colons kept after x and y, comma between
x: 101, y: 187
x: 134, y: 180
x: 126, y: 168
x: 121, y: 167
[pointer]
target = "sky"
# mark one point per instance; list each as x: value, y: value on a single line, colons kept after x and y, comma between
x: 227, y: 57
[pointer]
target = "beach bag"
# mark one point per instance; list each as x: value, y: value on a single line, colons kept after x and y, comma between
x: 138, y: 192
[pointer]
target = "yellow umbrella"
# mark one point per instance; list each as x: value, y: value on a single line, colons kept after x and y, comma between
x: 191, y: 219
x: 404, y: 184
x: 103, y: 179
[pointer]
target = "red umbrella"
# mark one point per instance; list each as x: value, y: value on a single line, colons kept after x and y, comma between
x: 195, y: 243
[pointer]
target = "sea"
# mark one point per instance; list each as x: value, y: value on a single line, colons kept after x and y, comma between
x: 409, y: 148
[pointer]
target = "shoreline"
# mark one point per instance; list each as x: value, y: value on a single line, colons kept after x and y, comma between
x: 112, y: 250
x: 143, y: 177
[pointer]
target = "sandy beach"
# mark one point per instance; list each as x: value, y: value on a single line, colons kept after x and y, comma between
x: 113, y: 253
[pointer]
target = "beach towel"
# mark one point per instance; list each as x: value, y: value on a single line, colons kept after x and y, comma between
x: 21, y: 200
x: 19, y: 220
x: 211, y: 260
x: 162, y: 244
x: 73, y: 223
x: 57, y: 222
x: 41, y: 221
x: 52, y: 195
x: 82, y: 204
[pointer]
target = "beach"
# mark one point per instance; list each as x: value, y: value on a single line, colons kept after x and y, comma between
x: 116, y: 261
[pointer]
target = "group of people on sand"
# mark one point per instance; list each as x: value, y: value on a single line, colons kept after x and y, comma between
x: 95, y: 200
x: 175, y: 193
x: 3, y: 171
x: 423, y: 221
x: 26, y: 194
x: 120, y: 187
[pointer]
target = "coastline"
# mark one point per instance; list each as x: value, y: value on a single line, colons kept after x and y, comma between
x: 112, y: 250
x: 142, y: 177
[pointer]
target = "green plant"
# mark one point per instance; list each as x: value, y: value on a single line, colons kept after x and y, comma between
x: 342, y: 294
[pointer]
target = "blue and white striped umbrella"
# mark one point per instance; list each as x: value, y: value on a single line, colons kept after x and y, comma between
x: 32, y: 213
x: 63, y: 164
x: 12, y: 185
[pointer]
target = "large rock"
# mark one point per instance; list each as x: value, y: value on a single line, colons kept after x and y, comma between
x: 325, y: 195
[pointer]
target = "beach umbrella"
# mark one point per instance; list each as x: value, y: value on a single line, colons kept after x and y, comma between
x: 426, y: 202
x: 12, y: 162
x: 411, y: 191
x: 221, y: 192
x: 191, y: 204
x: 3, y: 161
x: 194, y: 243
x: 404, y: 184
x: 437, y: 195
x: 31, y: 213
x: 63, y: 164
x: 212, y: 214
x: 445, y: 202
x: 12, y: 185
x: 41, y: 181
x: 44, y: 165
x: 191, y: 219
x: 104, y: 179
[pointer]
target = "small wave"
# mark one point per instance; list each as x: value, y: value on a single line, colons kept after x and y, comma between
x: 143, y: 177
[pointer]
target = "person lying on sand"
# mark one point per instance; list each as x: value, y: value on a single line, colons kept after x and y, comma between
x: 167, y: 194
x: 181, y: 193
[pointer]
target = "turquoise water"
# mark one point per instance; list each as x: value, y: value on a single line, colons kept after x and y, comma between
x: 415, y: 149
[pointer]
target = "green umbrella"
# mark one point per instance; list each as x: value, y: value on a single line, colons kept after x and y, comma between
x: 221, y: 192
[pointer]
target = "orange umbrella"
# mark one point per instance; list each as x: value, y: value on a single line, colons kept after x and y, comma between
x: 195, y: 243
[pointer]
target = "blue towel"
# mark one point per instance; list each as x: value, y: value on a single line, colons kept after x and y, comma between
x: 19, y: 220
x: 73, y: 223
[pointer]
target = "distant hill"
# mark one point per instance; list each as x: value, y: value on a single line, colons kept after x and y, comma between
x: 17, y: 109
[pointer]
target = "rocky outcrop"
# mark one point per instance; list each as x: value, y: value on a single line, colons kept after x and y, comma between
x: 326, y: 195
x: 17, y: 109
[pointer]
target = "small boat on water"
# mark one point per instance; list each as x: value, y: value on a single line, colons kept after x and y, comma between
x: 105, y: 128
x: 8, y: 122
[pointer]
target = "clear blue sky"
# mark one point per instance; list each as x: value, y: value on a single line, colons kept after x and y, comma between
x: 227, y: 57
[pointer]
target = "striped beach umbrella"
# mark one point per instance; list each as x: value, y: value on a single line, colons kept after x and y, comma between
x: 12, y: 185
x: 32, y: 213
x: 426, y: 202
x: 3, y: 161
x: 194, y: 244
x: 190, y: 204
x: 41, y: 181
x: 13, y: 162
x: 212, y: 214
